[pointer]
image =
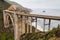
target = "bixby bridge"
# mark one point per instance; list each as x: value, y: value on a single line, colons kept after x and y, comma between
x: 22, y: 23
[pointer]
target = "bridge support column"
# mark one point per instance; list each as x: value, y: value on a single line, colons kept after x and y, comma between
x: 23, y: 24
x: 16, y: 32
x: 44, y: 26
x: 47, y: 24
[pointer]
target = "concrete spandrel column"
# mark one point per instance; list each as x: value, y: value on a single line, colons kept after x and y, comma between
x: 31, y: 25
x: 16, y: 33
x: 23, y: 24
x: 20, y: 26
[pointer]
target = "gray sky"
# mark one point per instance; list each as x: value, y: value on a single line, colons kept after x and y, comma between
x: 52, y: 4
x: 52, y: 7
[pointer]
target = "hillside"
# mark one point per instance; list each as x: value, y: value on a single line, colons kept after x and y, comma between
x: 3, y: 5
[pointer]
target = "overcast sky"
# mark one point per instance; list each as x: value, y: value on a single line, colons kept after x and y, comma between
x: 53, y: 4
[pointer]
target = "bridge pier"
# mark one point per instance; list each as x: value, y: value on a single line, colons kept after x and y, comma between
x: 47, y: 24
x: 16, y: 33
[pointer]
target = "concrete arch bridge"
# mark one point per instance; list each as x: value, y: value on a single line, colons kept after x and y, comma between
x: 22, y: 23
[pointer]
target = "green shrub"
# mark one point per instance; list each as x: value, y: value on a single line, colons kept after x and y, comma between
x: 55, y: 32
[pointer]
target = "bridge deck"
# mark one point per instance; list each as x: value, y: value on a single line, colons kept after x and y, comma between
x: 37, y: 16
